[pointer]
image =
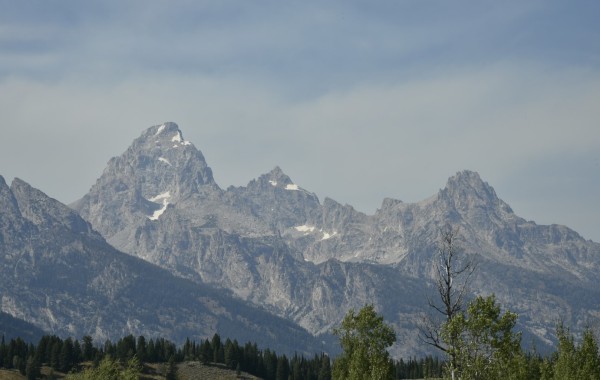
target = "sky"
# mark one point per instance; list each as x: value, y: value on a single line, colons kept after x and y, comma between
x: 356, y: 101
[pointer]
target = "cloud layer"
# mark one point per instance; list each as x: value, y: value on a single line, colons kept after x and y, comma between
x: 355, y: 103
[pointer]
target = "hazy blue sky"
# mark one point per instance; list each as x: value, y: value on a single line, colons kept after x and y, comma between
x: 356, y: 101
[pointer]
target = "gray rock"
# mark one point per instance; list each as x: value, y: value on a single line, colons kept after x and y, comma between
x: 274, y: 244
x: 60, y: 275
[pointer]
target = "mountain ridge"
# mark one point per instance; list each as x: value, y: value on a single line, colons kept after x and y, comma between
x: 274, y: 243
x: 60, y: 275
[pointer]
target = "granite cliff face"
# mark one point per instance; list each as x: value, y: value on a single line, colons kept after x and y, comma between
x: 275, y: 244
x: 60, y: 275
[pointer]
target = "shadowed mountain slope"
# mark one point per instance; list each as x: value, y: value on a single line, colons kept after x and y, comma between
x: 57, y: 273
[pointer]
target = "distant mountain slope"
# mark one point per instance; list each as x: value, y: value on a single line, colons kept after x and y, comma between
x: 12, y: 328
x: 57, y: 273
x: 274, y: 243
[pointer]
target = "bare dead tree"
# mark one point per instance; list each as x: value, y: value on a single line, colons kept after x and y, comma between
x: 453, y: 270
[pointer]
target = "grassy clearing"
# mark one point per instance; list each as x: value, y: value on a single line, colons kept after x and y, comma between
x: 6, y: 374
x: 152, y: 371
x: 196, y: 370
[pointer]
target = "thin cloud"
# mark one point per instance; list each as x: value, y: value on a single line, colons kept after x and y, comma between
x: 355, y: 102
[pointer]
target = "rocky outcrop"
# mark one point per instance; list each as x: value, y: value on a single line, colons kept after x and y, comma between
x: 275, y: 244
x: 60, y: 275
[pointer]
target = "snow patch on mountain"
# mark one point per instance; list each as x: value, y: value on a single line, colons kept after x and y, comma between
x: 274, y: 183
x: 305, y: 228
x: 162, y: 159
x: 327, y: 235
x: 165, y: 203
x: 160, y: 211
x: 292, y: 186
x: 165, y: 195
x: 177, y: 137
x: 159, y: 130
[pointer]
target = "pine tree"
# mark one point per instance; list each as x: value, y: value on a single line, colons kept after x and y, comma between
x: 565, y: 366
x: 3, y: 352
x: 141, y: 349
x: 88, y: 348
x: 206, y: 352
x: 55, y: 354
x: 151, y: 352
x: 283, y: 368
x: 65, y: 359
x: 33, y: 368
x: 171, y: 369
x: 325, y: 370
x: 588, y: 361
x: 77, y: 353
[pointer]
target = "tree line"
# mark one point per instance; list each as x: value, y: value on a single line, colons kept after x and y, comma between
x: 128, y: 353
x: 124, y: 359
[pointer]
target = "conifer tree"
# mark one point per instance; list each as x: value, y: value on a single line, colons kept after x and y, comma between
x: 65, y: 359
x: 325, y: 370
x: 171, y: 369
x: 88, y: 348
x: 33, y: 368
x: 283, y: 368
x: 141, y: 348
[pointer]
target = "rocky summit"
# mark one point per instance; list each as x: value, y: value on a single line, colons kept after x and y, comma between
x: 275, y: 244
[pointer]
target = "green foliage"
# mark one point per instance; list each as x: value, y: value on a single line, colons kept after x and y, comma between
x: 488, y: 349
x: 32, y: 369
x: 574, y: 362
x: 587, y: 357
x: 109, y: 369
x: 325, y: 370
x: 484, y: 345
x: 88, y: 350
x: 425, y: 368
x: 364, y: 338
x: 170, y: 370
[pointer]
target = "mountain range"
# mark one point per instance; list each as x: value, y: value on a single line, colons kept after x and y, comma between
x: 60, y: 275
x: 270, y: 258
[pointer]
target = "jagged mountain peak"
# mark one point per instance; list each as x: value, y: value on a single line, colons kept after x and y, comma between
x: 390, y: 203
x: 162, y: 155
x: 42, y: 210
x: 466, y: 189
x: 467, y: 179
x: 159, y: 169
x: 254, y: 240
x: 6, y: 196
x: 167, y: 133
x: 10, y: 208
x: 277, y: 178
